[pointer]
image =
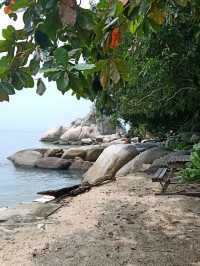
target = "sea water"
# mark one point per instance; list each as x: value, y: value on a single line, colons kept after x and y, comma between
x: 19, y: 184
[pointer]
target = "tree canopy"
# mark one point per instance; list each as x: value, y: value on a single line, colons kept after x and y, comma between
x: 138, y: 60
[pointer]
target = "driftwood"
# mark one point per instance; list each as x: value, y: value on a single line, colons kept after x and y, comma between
x: 58, y: 192
x: 66, y: 192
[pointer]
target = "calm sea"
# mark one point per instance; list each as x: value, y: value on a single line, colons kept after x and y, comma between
x: 21, y: 185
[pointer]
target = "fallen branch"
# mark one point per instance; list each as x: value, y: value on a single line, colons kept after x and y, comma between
x: 58, y: 192
x: 62, y: 193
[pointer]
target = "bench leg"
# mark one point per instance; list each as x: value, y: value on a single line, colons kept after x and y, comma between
x: 165, y: 185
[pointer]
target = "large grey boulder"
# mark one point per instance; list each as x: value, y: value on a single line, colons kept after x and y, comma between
x: 72, y: 134
x: 88, y: 132
x: 52, y: 163
x: 109, y: 162
x: 141, y: 147
x: 145, y: 158
x: 53, y: 134
x: 80, y: 165
x: 93, y: 152
x: 25, y: 158
x: 54, y: 153
x: 73, y: 153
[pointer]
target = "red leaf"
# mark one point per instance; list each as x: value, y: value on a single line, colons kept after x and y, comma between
x: 115, y: 37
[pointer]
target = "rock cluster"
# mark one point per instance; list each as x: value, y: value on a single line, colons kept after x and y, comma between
x: 85, y: 131
x: 99, y: 162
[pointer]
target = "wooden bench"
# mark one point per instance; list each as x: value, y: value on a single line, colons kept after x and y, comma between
x: 162, y: 175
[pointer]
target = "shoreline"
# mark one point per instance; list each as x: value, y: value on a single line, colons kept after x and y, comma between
x: 118, y: 223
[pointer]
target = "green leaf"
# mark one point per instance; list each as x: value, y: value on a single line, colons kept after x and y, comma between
x: 4, y: 96
x: 4, y: 64
x: 41, y: 88
x: 63, y: 83
x: 25, y: 78
x: 7, y: 88
x: 5, y: 46
x: 84, y: 66
x: 34, y: 66
x: 61, y: 56
x: 9, y: 33
x: 20, y: 4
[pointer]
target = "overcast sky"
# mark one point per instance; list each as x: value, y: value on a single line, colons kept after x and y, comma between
x: 28, y: 111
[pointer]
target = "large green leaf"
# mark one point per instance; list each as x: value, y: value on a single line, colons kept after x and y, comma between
x: 7, y: 88
x: 63, y: 83
x: 5, y: 46
x: 61, y: 56
x: 20, y: 4
x: 41, y: 88
x: 25, y: 78
x: 9, y: 33
x: 3, y: 96
x: 4, y: 64
x: 34, y: 66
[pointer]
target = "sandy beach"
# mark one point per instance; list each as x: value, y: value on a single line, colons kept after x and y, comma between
x: 119, y: 223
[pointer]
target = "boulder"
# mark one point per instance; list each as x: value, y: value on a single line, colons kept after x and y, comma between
x: 141, y: 147
x: 52, y: 134
x: 71, y: 134
x: 54, y: 153
x: 110, y: 138
x: 76, y: 122
x: 25, y: 158
x: 88, y: 141
x: 140, y: 162
x: 88, y: 132
x: 119, y: 141
x: 109, y: 162
x: 79, y: 164
x: 93, y: 153
x: 73, y: 153
x: 52, y: 163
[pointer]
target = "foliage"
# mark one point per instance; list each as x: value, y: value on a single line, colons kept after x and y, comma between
x: 162, y: 92
x: 192, y: 171
x: 56, y: 33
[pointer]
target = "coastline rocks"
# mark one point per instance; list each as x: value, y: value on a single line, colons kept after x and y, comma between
x: 54, y: 153
x: 87, y: 153
x: 79, y: 164
x: 52, y: 163
x: 93, y: 153
x: 109, y: 162
x: 25, y: 158
x: 142, y: 160
x: 52, y: 134
x: 73, y: 153
x: 141, y: 147
x: 86, y: 141
x: 92, y: 129
x: 72, y: 134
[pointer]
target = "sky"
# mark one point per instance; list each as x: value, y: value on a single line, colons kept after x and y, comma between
x: 28, y: 111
